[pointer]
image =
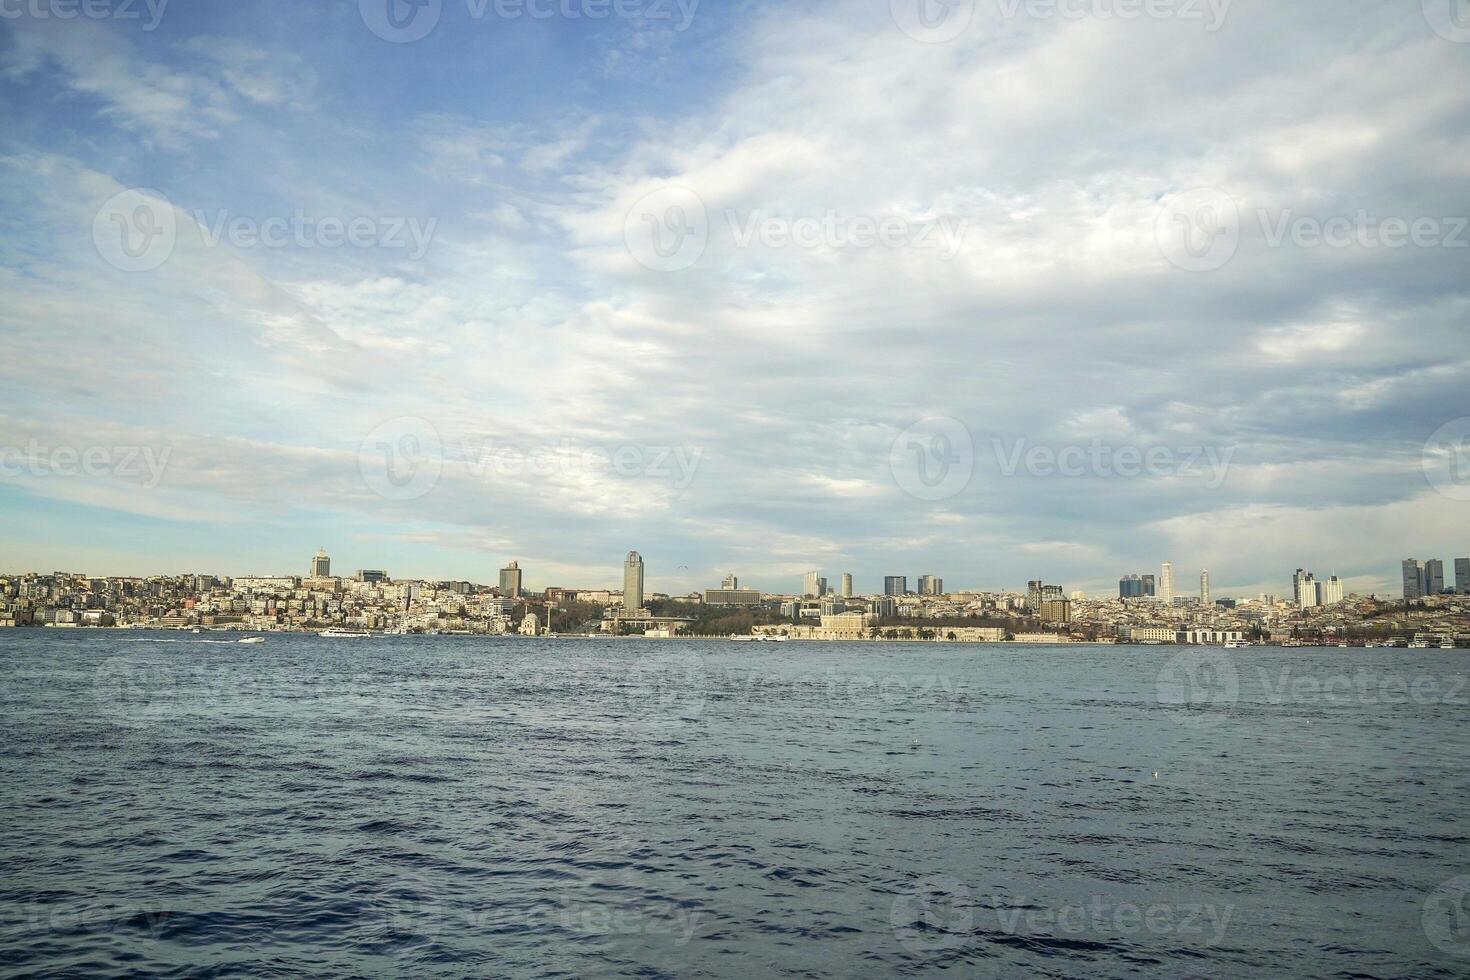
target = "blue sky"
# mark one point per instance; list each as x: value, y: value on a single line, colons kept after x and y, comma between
x: 768, y: 385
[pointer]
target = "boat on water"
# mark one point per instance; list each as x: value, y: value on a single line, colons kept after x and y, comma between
x: 338, y: 633
x: 251, y: 639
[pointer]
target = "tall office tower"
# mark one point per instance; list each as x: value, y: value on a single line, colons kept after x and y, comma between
x: 633, y: 582
x: 731, y: 582
x: 510, y: 581
x: 1125, y: 587
x: 1329, y: 591
x: 930, y: 585
x: 847, y: 585
x: 822, y: 588
x: 1413, y: 578
x: 1166, y: 582
x: 1204, y: 586
x: 1304, y: 589
x: 895, y: 585
x: 321, y: 565
x: 811, y: 584
x: 1433, y: 577
x: 1462, y: 576
x: 1149, y: 587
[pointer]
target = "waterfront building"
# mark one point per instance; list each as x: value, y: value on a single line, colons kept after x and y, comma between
x: 633, y: 582
x: 729, y: 596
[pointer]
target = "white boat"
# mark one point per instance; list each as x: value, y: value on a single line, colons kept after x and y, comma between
x: 1231, y: 645
x: 337, y: 632
x: 252, y: 639
x: 1446, y: 646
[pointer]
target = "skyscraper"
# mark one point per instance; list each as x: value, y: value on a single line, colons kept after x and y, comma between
x: 1166, y: 582
x: 731, y: 582
x: 632, y: 583
x: 1148, y: 586
x: 1433, y: 577
x: 1304, y: 589
x: 1413, y: 578
x: 1204, y: 586
x: 895, y: 585
x: 1329, y: 591
x: 811, y: 585
x: 510, y: 581
x: 930, y: 585
x: 1462, y: 576
x: 321, y: 565
x: 847, y: 585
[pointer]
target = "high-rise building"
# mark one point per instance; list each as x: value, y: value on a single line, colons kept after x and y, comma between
x: 1304, y: 589
x: 1462, y: 576
x: 1329, y: 591
x: 886, y: 606
x: 1204, y: 586
x: 931, y: 585
x: 1149, y: 587
x: 510, y: 581
x: 321, y: 565
x: 895, y: 585
x: 1166, y: 582
x: 847, y: 585
x: 732, y: 581
x: 1433, y: 577
x: 633, y: 582
x: 811, y: 585
x: 1413, y: 578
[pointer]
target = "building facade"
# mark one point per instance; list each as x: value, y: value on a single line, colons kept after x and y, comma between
x: 633, y: 582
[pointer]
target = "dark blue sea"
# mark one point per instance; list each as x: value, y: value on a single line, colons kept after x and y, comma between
x: 180, y: 805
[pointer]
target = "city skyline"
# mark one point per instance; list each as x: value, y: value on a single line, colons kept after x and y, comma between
x: 1278, y: 412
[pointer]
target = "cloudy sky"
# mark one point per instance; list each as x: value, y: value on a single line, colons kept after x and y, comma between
x: 993, y: 290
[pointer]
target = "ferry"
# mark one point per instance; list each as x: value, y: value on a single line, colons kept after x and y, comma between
x: 337, y: 632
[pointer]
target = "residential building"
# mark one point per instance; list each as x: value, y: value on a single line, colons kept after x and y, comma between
x: 1166, y: 582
